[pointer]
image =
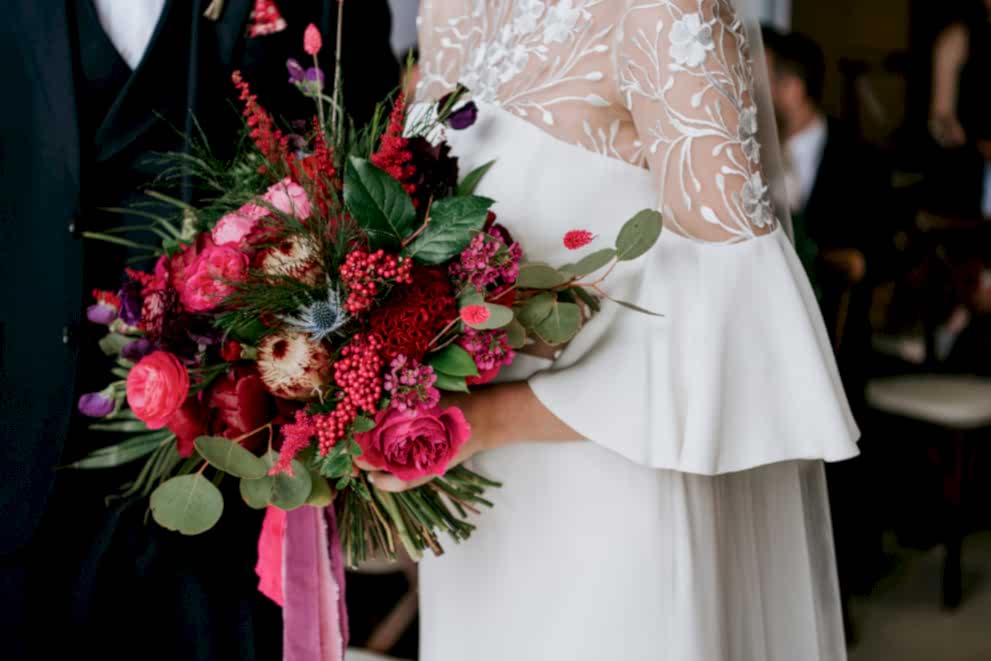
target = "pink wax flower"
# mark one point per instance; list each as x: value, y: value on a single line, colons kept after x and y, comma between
x: 209, y: 278
x: 411, y: 447
x: 312, y: 41
x: 238, y: 225
x: 289, y: 198
x: 490, y: 350
x: 156, y: 388
x: 411, y: 385
x: 473, y: 315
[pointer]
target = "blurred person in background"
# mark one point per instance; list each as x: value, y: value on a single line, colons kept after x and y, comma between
x: 96, y: 91
x: 960, y: 113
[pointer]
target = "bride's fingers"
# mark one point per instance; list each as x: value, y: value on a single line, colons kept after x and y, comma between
x: 365, y: 466
x: 392, y: 484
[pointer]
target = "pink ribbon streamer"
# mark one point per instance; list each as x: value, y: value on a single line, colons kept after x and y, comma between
x: 300, y: 567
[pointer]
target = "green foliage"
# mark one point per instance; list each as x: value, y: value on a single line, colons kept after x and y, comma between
x: 189, y: 504
x: 638, y: 235
x: 379, y: 205
x: 281, y: 490
x: 473, y: 178
x: 537, y: 275
x: 228, y: 456
x: 452, y: 360
x: 561, y: 325
x: 453, y: 223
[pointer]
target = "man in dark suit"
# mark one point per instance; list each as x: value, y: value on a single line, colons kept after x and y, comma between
x: 86, y: 108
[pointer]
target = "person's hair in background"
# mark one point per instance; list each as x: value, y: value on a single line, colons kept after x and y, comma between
x: 798, y: 76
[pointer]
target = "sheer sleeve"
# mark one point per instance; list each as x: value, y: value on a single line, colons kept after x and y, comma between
x: 739, y: 371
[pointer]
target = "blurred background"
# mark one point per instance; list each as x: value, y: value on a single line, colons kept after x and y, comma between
x: 884, y: 112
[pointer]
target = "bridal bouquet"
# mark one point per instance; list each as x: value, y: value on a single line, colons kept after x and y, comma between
x: 313, y: 309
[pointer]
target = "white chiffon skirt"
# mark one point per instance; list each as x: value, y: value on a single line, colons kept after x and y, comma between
x: 588, y: 556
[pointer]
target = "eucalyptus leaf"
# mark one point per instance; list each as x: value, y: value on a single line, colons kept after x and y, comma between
x: 536, y: 309
x: 378, y: 204
x: 637, y: 308
x: 320, y: 493
x: 453, y: 223
x: 472, y: 179
x: 499, y: 316
x: 282, y: 490
x: 189, y: 504
x: 257, y: 494
x: 561, y: 325
x: 230, y: 457
x: 639, y: 235
x: 454, y: 361
x: 113, y: 343
x: 537, y: 275
x: 516, y: 334
x: 588, y: 299
x: 450, y: 383
x: 593, y: 262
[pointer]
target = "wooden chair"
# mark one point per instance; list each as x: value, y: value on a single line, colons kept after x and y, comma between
x: 956, y: 409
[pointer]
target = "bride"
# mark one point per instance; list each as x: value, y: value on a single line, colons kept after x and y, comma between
x: 664, y: 495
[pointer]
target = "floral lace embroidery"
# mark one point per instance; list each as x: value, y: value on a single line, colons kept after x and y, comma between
x: 698, y: 88
x: 664, y: 83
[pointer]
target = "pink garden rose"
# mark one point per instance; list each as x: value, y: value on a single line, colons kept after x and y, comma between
x: 238, y: 225
x: 208, y: 278
x: 156, y: 387
x: 289, y: 198
x: 411, y: 447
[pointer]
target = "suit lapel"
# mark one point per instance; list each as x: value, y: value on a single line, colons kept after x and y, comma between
x: 44, y: 38
x: 231, y: 27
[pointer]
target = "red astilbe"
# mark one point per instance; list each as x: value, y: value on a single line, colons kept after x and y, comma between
x: 318, y: 168
x: 394, y: 155
x: 296, y: 437
x: 273, y: 145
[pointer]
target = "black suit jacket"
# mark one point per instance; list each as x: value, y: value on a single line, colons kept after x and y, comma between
x: 41, y: 255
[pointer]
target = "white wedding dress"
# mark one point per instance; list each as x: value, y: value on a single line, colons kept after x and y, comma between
x: 693, y: 525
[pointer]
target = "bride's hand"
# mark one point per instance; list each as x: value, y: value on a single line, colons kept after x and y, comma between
x: 476, y: 443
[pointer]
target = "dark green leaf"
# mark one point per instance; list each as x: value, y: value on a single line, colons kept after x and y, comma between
x: 472, y: 179
x: 362, y: 424
x: 257, y: 494
x: 121, y: 425
x: 536, y: 309
x: 114, y: 343
x: 339, y: 466
x: 228, y: 456
x: 636, y: 308
x: 537, y: 275
x: 593, y: 262
x: 588, y: 299
x: 343, y: 483
x: 123, y: 453
x: 638, y: 235
x: 320, y: 493
x: 249, y: 332
x: 378, y: 204
x: 451, y: 383
x: 516, y: 334
x: 454, y: 361
x: 189, y: 504
x: 453, y: 223
x: 561, y: 325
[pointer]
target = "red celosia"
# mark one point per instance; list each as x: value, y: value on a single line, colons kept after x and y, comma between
x: 273, y: 145
x: 296, y: 437
x: 576, y: 239
x: 394, y: 155
x: 414, y: 314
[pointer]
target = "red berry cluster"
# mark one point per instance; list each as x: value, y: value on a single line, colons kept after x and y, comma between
x: 359, y: 375
x: 363, y: 273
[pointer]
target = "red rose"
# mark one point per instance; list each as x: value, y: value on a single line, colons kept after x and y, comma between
x: 239, y: 403
x: 188, y: 424
x: 156, y: 388
x: 414, y: 446
x: 414, y: 314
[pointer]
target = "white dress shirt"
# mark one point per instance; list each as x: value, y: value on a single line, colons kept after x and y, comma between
x: 803, y: 156
x: 130, y: 25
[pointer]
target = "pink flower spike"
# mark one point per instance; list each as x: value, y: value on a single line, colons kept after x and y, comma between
x: 474, y: 315
x: 576, y: 239
x: 312, y: 41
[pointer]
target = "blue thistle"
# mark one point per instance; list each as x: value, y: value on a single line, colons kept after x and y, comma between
x: 320, y: 318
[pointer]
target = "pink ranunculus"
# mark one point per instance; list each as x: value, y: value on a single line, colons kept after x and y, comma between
x: 289, y: 198
x: 209, y: 278
x: 156, y: 387
x: 411, y: 447
x: 238, y: 225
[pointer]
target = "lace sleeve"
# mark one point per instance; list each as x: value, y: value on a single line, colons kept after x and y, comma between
x: 684, y: 73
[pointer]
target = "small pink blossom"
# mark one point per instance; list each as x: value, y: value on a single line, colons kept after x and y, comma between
x: 410, y: 384
x: 209, y: 278
x: 236, y: 226
x: 576, y: 239
x: 312, y: 41
x: 490, y: 350
x: 289, y: 198
x: 473, y: 315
